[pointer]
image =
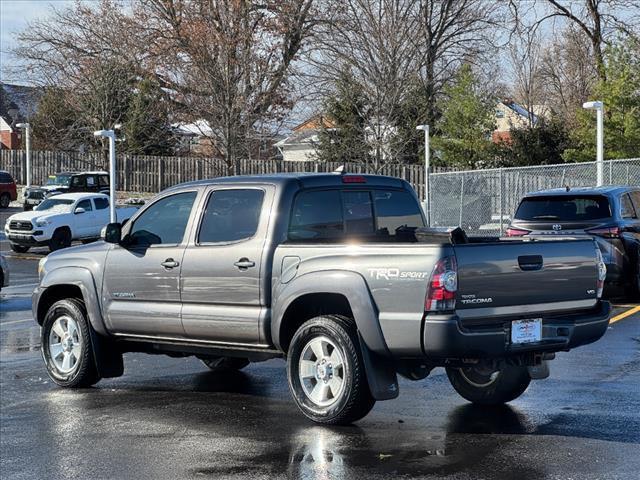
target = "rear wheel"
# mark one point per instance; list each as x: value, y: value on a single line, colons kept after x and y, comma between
x: 61, y: 239
x: 218, y: 364
x: 326, y: 372
x: 19, y: 248
x: 632, y: 289
x: 66, y: 345
x: 5, y: 200
x: 489, y: 386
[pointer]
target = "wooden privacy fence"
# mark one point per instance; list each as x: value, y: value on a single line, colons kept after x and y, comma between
x: 142, y: 173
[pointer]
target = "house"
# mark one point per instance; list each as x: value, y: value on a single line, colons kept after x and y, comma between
x: 509, y: 115
x: 301, y: 145
x: 17, y: 104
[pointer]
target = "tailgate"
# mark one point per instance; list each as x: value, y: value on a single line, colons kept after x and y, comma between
x: 520, y: 278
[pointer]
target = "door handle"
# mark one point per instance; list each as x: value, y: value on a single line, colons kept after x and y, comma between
x: 170, y: 263
x: 244, y: 263
x: 530, y: 262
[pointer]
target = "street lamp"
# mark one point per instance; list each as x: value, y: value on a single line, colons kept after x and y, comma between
x: 27, y: 133
x: 599, y: 108
x: 427, y: 206
x: 111, y: 135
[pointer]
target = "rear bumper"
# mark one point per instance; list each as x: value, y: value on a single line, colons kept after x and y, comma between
x: 444, y: 337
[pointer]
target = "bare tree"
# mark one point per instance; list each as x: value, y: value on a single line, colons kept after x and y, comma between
x: 597, y: 19
x: 396, y: 49
x: 228, y: 62
x: 525, y: 54
x: 568, y: 72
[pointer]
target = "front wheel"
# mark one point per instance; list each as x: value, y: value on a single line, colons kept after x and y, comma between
x: 66, y: 345
x: 19, y: 248
x: 487, y: 386
x: 5, y: 200
x: 326, y: 372
x: 61, y: 239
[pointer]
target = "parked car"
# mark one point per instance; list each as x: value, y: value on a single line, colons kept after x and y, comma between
x: 67, y: 182
x: 610, y: 215
x: 8, y: 191
x: 333, y: 272
x: 4, y: 272
x: 60, y: 219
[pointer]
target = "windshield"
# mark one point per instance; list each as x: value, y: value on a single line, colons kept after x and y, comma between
x: 55, y: 204
x: 565, y: 208
x: 62, y: 180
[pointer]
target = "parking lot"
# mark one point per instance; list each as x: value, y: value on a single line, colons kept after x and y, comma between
x: 172, y: 418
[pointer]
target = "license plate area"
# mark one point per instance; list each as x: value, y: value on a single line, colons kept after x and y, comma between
x: 526, y: 331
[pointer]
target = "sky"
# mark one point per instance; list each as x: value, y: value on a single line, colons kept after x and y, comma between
x: 14, y: 17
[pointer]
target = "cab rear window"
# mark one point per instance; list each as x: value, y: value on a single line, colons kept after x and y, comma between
x: 370, y: 215
x: 565, y: 208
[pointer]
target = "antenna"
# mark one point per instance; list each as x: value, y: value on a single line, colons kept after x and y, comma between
x: 342, y: 170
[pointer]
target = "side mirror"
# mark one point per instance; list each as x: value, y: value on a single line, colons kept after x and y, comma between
x: 112, y: 233
x: 79, y: 210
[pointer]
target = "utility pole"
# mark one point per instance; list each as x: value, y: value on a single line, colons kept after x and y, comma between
x: 599, y: 108
x: 427, y: 203
x: 27, y: 133
x: 110, y: 134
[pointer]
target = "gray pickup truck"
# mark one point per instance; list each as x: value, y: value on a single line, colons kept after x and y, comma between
x: 333, y: 272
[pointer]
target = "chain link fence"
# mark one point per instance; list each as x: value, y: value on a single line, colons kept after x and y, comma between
x: 484, y: 201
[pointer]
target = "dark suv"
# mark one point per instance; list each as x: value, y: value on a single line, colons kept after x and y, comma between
x: 67, y: 182
x: 610, y: 214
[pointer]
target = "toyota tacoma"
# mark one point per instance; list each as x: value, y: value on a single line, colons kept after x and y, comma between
x: 337, y: 274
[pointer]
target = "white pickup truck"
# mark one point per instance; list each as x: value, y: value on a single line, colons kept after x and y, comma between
x: 59, y: 220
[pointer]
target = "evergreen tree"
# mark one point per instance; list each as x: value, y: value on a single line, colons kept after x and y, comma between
x: 620, y: 93
x: 345, y: 140
x: 541, y: 144
x: 146, y: 129
x: 463, y: 132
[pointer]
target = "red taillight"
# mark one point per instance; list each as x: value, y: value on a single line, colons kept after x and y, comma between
x: 443, y: 284
x: 516, y: 232
x: 353, y: 179
x: 607, y: 232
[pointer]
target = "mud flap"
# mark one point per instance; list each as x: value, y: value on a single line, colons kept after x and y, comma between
x: 108, y: 359
x: 381, y: 374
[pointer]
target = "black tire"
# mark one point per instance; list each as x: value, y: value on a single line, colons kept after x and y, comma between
x: 5, y: 200
x: 479, y: 387
x: 354, y: 400
x: 19, y: 248
x: 222, y: 364
x: 61, y: 239
x: 26, y: 207
x: 84, y: 372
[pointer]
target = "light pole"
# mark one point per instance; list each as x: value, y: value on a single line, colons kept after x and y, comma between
x: 427, y: 203
x: 27, y: 133
x: 111, y: 135
x: 599, y: 108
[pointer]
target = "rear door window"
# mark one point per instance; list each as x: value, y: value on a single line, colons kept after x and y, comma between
x: 626, y: 207
x: 5, y: 178
x: 101, y: 203
x: 564, y: 208
x: 317, y: 215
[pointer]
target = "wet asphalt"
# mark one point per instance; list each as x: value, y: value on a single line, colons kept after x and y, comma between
x: 171, y: 418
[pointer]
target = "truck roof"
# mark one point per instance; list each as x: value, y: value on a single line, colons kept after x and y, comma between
x: 603, y: 190
x: 80, y: 196
x: 304, y: 180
